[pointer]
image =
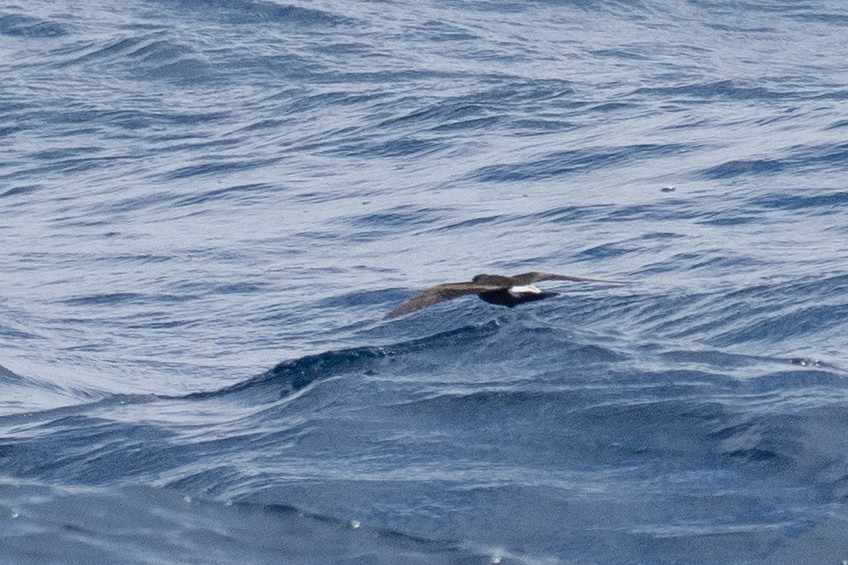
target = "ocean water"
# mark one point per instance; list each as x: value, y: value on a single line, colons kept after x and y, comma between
x: 206, y: 209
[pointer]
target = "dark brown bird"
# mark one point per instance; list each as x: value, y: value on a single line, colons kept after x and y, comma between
x: 495, y: 289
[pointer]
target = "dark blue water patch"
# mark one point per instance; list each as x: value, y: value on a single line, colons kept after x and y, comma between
x: 661, y: 236
x: 741, y: 30
x: 729, y: 219
x: 610, y: 107
x: 290, y: 377
x: 824, y: 202
x: 766, y: 314
x: 152, y: 56
x: 767, y: 368
x: 521, y: 92
x: 539, y: 126
x: 91, y: 403
x: 396, y: 77
x: 832, y: 286
x: 303, y: 106
x: 157, y: 49
x: 247, y: 12
x: 12, y: 333
x: 136, y: 524
x: 503, y: 103
x: 472, y: 223
x: 105, y: 299
x: 363, y: 298
x: 271, y: 68
x: 21, y: 190
x: 815, y: 376
x: 704, y: 91
x: 140, y: 258
x: 443, y: 31
x: 230, y: 165
x: 571, y: 214
x: 677, y: 208
x: 562, y: 163
x: 119, y: 50
x: 606, y: 251
x: 30, y: 28
x: 241, y: 288
x: 619, y: 54
x: 815, y: 14
x: 64, y: 153
x: 272, y: 124
x: 799, y: 159
x: 73, y: 160
x: 116, y: 298
x: 10, y: 377
x: 404, y: 217
x: 86, y: 449
x: 736, y: 168
x: 179, y: 143
x: 400, y: 217
x: 187, y: 71
x: 243, y: 193
x: 436, y: 114
x: 163, y: 320
x: 770, y: 441
x: 126, y: 118
x: 347, y: 48
x: 777, y: 328
x: 826, y: 157
x: 7, y: 130
x: 406, y: 146
x: 467, y: 126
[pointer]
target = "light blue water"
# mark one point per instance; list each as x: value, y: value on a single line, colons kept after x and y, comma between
x: 206, y: 208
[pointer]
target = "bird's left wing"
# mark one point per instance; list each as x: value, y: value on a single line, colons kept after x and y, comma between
x: 438, y: 293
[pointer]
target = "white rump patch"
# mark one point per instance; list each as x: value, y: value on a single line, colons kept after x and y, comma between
x: 519, y: 290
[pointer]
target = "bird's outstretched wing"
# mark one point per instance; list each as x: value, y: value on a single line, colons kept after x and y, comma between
x: 530, y: 278
x: 439, y: 293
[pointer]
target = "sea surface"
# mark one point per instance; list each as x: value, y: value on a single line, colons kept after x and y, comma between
x: 207, y: 207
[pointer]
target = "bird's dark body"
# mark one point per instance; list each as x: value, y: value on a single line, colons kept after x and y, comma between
x: 510, y: 300
x: 494, y: 289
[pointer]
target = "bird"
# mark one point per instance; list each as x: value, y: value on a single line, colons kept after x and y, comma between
x: 494, y: 289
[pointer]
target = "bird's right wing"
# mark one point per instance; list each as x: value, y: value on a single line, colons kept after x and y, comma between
x: 439, y: 293
x: 530, y: 278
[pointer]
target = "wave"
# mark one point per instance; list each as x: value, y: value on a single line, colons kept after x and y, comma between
x: 14, y: 25
x: 289, y: 377
x: 27, y: 395
x: 514, y: 412
x: 259, y: 12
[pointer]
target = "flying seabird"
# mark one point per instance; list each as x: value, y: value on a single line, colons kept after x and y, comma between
x: 494, y: 289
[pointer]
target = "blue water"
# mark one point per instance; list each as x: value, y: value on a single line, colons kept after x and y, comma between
x: 206, y: 208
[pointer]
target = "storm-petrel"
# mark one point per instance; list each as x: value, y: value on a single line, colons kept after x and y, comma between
x: 495, y: 289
